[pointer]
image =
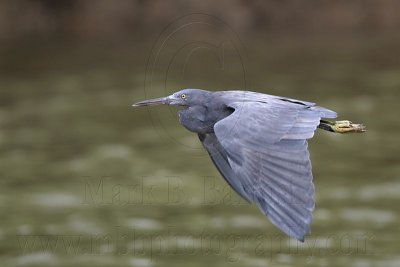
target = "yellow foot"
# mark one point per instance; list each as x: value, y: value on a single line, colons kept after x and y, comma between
x: 346, y: 127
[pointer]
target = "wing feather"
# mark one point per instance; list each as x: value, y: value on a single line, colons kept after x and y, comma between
x: 220, y: 159
x: 265, y: 145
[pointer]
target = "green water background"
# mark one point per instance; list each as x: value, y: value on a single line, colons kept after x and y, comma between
x: 87, y: 180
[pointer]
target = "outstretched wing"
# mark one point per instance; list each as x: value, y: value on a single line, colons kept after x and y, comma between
x: 219, y: 157
x: 265, y: 146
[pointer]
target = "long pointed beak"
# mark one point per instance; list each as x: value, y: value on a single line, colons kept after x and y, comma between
x: 152, y: 102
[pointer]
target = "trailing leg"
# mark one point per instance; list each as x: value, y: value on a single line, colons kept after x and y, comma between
x: 341, y: 126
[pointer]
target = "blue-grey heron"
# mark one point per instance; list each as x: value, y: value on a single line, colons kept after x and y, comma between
x: 258, y: 143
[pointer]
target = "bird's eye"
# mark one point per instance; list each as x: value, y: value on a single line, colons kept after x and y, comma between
x: 183, y: 96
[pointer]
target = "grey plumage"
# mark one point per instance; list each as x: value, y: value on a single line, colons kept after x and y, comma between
x: 258, y: 143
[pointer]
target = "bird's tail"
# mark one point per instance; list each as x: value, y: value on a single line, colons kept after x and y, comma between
x: 341, y: 126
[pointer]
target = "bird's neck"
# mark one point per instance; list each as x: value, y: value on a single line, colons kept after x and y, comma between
x: 195, y: 119
x: 202, y: 118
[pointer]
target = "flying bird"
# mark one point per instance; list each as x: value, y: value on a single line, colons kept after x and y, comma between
x: 258, y: 143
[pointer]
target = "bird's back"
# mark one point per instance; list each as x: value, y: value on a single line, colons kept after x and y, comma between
x: 237, y: 97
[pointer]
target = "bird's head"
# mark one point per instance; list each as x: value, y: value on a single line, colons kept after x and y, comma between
x: 185, y: 98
